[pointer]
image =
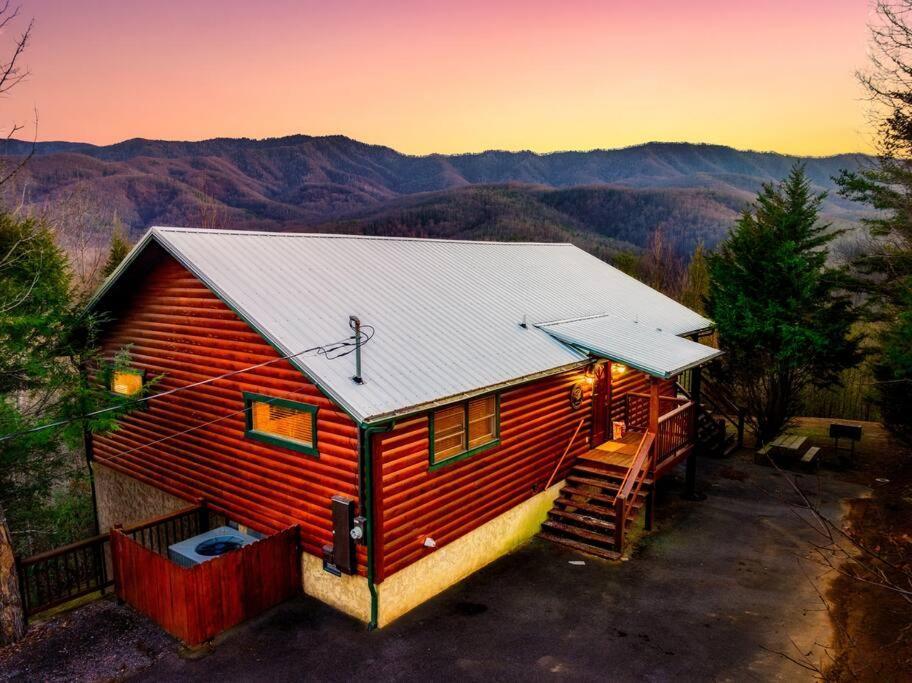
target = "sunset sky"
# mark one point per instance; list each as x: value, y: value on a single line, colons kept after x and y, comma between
x: 451, y: 76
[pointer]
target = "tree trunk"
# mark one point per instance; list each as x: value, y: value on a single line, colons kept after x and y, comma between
x: 12, y: 614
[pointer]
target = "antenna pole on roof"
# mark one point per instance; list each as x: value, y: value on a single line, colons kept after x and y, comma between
x: 355, y: 323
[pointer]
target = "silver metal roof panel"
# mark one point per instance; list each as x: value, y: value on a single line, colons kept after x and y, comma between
x: 446, y: 312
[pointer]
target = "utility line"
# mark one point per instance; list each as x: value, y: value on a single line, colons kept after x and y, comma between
x: 187, y: 431
x: 328, y: 350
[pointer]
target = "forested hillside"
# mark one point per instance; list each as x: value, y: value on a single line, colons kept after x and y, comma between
x: 600, y: 199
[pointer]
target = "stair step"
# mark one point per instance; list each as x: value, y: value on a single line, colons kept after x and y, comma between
x: 573, y: 491
x: 602, y: 497
x: 600, y: 483
x: 615, y: 476
x: 587, y: 506
x: 583, y: 519
x: 571, y: 530
x: 581, y: 547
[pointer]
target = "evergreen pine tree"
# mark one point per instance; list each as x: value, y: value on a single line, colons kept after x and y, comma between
x: 120, y: 247
x: 783, y: 316
x: 696, y: 281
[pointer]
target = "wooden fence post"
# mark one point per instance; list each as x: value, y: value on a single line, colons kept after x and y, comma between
x: 12, y: 611
x: 203, y: 522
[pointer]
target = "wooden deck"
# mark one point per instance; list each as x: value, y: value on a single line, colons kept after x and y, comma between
x: 616, y: 453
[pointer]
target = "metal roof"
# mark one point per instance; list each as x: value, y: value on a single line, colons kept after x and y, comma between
x: 447, y: 313
x: 637, y: 344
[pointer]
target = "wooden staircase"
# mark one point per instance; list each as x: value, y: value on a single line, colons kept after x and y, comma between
x: 720, y: 421
x: 585, y: 514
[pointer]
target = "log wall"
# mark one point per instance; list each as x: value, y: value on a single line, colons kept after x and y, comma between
x: 414, y: 503
x: 179, y: 330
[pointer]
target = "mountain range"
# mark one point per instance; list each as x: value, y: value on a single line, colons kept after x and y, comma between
x: 602, y: 200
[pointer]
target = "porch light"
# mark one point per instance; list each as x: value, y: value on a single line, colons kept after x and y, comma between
x: 617, y: 369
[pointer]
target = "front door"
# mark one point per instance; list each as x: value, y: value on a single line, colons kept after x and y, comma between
x: 601, y: 402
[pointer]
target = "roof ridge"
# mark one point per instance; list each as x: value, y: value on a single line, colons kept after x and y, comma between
x: 327, y: 235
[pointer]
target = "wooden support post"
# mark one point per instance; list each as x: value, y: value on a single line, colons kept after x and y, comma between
x: 690, y: 477
x: 620, y: 522
x: 650, y: 509
x: 654, y: 405
x: 691, y: 474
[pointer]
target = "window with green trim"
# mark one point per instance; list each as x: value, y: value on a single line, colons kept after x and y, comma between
x: 464, y: 429
x: 280, y: 422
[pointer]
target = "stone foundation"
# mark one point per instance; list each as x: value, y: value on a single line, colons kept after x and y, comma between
x: 121, y: 499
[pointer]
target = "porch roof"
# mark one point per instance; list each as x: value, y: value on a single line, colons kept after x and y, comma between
x: 640, y: 345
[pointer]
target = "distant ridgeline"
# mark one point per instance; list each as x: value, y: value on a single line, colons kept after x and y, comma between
x: 602, y: 200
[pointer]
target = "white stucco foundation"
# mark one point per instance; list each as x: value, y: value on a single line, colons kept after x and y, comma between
x: 419, y: 582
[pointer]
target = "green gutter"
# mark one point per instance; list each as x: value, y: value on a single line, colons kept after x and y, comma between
x: 365, y: 463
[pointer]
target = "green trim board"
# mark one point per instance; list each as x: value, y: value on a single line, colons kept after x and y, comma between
x: 366, y: 469
x: 273, y: 439
x: 434, y: 464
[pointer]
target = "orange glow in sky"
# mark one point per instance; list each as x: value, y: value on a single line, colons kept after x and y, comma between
x: 451, y: 76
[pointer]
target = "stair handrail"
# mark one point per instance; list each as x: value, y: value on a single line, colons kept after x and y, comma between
x: 714, y: 399
x: 636, y: 475
x: 676, y: 399
x: 566, y: 450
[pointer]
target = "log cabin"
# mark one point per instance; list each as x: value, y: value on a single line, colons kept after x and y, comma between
x: 417, y: 407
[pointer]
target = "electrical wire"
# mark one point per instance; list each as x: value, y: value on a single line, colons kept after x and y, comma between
x: 330, y: 351
x: 188, y: 430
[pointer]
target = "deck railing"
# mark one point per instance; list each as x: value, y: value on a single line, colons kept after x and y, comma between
x: 57, y: 576
x: 63, y: 574
x: 636, y: 409
x: 675, y: 431
x: 158, y: 533
x: 643, y: 464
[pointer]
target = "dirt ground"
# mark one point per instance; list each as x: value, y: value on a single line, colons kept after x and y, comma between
x: 720, y: 591
x: 98, y: 641
x: 872, y: 625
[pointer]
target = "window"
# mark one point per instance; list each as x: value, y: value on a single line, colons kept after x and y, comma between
x: 280, y: 422
x: 464, y: 429
x: 126, y: 382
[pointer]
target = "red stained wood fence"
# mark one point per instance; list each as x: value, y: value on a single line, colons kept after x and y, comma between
x: 196, y: 603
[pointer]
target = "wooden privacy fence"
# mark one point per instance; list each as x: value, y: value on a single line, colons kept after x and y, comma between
x: 196, y: 603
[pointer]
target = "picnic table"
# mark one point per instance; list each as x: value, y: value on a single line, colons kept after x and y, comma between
x: 790, y: 447
x: 788, y: 444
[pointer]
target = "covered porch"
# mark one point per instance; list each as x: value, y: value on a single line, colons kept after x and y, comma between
x: 674, y: 429
x: 644, y: 423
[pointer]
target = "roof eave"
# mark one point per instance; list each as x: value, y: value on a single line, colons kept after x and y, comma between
x: 420, y: 408
x: 128, y: 260
x: 652, y: 371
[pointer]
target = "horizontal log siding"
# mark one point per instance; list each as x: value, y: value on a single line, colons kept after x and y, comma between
x: 536, y: 423
x: 180, y: 330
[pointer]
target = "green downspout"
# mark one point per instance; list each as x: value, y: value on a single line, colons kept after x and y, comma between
x: 367, y: 505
